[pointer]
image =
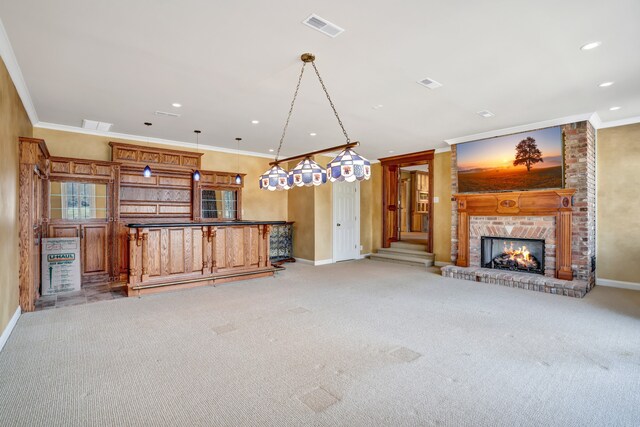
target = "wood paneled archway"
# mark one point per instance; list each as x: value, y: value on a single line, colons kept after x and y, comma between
x: 390, y: 169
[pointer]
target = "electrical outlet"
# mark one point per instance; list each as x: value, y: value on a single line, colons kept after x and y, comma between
x: 360, y: 247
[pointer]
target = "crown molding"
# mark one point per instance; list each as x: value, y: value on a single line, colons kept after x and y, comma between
x: 173, y: 143
x: 10, y: 61
x: 621, y: 122
x: 443, y: 150
x: 524, y: 128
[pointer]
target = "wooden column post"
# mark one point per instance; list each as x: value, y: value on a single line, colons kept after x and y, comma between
x: 133, y: 259
x: 563, y: 244
x: 463, y: 239
x: 145, y: 254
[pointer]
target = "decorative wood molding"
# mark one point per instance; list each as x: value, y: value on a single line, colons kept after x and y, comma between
x: 556, y: 203
x: 65, y: 167
x: 138, y: 155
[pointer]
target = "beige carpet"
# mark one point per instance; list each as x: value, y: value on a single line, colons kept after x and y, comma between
x: 357, y: 343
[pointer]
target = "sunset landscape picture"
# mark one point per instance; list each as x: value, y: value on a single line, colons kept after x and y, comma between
x: 523, y: 161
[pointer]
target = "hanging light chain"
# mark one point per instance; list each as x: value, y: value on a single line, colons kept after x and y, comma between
x: 293, y: 101
x: 333, y: 107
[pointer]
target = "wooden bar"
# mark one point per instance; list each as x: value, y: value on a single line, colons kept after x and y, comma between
x: 170, y: 256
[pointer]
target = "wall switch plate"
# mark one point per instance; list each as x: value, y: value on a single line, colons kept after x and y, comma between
x: 436, y: 199
x: 360, y: 247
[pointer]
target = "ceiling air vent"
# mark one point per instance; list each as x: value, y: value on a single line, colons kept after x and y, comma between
x: 166, y: 114
x: 430, y: 83
x: 322, y: 25
x: 95, y: 125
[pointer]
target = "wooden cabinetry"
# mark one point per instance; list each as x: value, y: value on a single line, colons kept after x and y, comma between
x: 166, y: 256
x: 95, y: 260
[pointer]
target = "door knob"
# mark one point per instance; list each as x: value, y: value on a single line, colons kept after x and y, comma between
x: 338, y: 224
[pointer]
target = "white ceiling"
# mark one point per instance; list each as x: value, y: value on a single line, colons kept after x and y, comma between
x: 228, y: 63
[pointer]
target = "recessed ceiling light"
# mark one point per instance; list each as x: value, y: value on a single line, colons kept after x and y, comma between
x: 377, y: 107
x: 177, y: 104
x: 391, y: 151
x: 271, y: 150
x: 313, y: 134
x: 605, y: 84
x: 255, y: 122
x: 486, y: 113
x: 590, y: 46
x: 614, y: 108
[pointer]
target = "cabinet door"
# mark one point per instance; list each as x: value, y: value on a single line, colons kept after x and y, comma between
x: 95, y: 249
x: 64, y: 230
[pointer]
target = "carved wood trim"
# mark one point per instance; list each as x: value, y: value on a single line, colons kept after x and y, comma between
x: 556, y: 203
x: 139, y: 155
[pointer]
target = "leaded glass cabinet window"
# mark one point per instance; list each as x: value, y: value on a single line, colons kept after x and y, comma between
x: 219, y: 204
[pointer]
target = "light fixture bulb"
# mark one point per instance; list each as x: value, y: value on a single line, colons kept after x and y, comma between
x: 614, y: 108
x: 196, y: 175
x: 176, y: 104
x: 238, y: 179
x: 255, y: 122
x: 146, y: 172
x: 605, y: 84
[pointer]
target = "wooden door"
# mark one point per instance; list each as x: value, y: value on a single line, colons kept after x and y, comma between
x: 95, y: 249
x: 404, y: 204
x: 390, y: 204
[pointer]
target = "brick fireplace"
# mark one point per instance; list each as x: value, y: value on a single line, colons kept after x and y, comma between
x: 564, y: 219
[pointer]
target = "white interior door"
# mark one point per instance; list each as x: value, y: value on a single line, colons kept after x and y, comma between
x: 346, y: 221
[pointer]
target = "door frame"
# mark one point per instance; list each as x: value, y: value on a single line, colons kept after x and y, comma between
x: 356, y: 250
x: 390, y: 171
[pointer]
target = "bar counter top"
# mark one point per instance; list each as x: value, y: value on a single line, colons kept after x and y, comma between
x: 202, y: 224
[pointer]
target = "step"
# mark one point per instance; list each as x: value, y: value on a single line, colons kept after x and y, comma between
x: 421, y: 262
x: 409, y: 252
x: 411, y: 246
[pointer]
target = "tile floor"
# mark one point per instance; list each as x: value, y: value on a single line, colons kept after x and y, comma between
x: 87, y: 294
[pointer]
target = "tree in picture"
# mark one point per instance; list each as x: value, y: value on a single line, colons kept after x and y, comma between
x: 527, y: 153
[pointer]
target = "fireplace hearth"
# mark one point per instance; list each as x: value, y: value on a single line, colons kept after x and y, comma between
x: 522, y: 255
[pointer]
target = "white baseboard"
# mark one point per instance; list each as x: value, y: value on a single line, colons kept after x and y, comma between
x: 310, y: 262
x: 442, y: 263
x: 7, y: 331
x: 617, y: 284
x: 363, y: 256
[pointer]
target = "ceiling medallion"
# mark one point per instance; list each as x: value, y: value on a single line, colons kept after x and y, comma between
x: 347, y: 166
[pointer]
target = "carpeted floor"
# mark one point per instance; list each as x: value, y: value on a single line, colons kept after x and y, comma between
x: 357, y: 343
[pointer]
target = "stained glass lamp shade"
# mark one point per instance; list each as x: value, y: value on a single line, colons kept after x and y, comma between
x: 275, y: 178
x: 308, y: 173
x: 349, y: 166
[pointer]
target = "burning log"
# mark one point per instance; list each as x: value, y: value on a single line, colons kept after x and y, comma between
x: 516, y: 259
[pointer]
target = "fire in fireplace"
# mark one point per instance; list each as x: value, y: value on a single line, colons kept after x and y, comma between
x: 525, y: 255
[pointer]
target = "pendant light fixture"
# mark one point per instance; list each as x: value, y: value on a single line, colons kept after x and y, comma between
x: 238, y: 177
x: 196, y: 174
x: 308, y: 173
x: 347, y: 166
x: 146, y: 172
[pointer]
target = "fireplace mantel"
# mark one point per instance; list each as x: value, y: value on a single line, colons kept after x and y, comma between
x: 520, y: 203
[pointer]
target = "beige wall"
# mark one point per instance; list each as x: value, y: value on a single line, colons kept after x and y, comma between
x: 323, y: 208
x: 618, y: 204
x: 257, y: 204
x: 442, y: 209
x: 371, y: 211
x: 14, y: 123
